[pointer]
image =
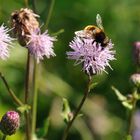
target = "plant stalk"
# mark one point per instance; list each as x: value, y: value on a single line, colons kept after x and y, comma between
x: 26, y: 3
x: 50, y: 13
x: 12, y: 94
x: 27, y: 78
x: 35, y: 98
x: 27, y: 82
x: 4, y: 137
x: 34, y: 6
x: 35, y: 88
x: 130, y: 127
x: 65, y: 135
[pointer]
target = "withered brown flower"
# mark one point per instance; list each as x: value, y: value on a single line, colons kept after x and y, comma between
x: 24, y: 22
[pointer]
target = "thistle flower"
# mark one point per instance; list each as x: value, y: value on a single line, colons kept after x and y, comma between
x: 26, y: 28
x: 10, y: 123
x: 91, y: 54
x: 41, y: 45
x: 5, y: 42
x: 24, y: 22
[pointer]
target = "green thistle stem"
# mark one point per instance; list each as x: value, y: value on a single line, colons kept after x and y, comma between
x: 34, y: 6
x: 27, y: 115
x: 132, y: 113
x: 27, y: 78
x: 50, y: 13
x: 35, y: 93
x: 4, y: 137
x: 35, y: 88
x: 35, y: 98
x: 26, y: 3
x: 58, y: 32
x: 12, y: 94
x: 65, y: 135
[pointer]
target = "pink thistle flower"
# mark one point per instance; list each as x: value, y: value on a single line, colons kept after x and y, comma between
x: 41, y: 45
x: 91, y: 54
x: 10, y: 122
x: 5, y: 42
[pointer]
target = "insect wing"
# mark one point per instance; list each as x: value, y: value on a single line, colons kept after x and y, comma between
x: 80, y: 33
x: 99, y: 22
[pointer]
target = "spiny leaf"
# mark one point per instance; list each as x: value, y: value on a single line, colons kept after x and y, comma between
x: 66, y: 110
x: 119, y: 95
x: 93, y: 85
x: 127, y: 105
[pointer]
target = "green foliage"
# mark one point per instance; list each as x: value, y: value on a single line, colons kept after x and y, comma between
x: 125, y: 102
x: 93, y: 85
x: 119, y: 95
x: 66, y: 111
x: 23, y: 108
x: 129, y: 137
x: 59, y: 78
x: 42, y: 132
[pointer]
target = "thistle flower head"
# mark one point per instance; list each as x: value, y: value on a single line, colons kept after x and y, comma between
x: 10, y: 123
x: 92, y: 48
x: 41, y: 45
x: 91, y: 54
x: 5, y: 42
x: 24, y: 22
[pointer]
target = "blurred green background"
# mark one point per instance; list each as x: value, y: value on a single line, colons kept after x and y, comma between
x: 104, y: 117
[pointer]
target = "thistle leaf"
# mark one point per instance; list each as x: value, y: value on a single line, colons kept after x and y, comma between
x: 127, y: 105
x: 66, y: 110
x: 120, y: 96
x: 93, y: 85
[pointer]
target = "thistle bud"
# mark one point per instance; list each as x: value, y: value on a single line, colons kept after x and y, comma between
x: 137, y: 53
x: 24, y: 23
x: 10, y: 123
x: 135, y: 79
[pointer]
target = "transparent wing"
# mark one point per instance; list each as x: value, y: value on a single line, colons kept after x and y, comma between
x: 83, y: 34
x: 80, y: 33
x: 99, y: 22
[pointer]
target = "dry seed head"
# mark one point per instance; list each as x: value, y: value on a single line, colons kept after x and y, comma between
x: 24, y: 23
